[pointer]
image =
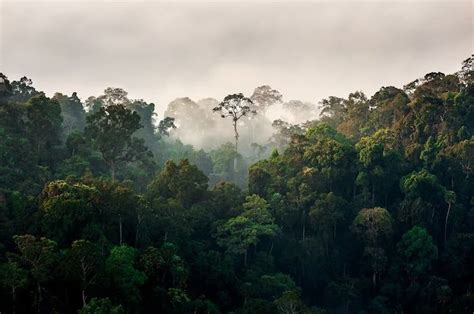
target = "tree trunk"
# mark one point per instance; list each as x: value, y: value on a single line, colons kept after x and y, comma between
x: 373, y: 195
x: 14, y: 299
x: 39, y: 298
x: 84, y: 298
x: 84, y: 280
x: 137, y: 232
x: 303, y: 232
x: 245, y: 259
x: 236, y: 136
x: 446, y: 223
x: 120, y: 227
x: 112, y: 171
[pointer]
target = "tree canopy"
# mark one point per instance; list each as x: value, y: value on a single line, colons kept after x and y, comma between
x: 367, y: 208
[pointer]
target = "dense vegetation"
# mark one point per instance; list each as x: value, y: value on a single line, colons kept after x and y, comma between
x: 369, y: 209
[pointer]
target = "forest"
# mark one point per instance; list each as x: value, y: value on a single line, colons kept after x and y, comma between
x: 356, y: 204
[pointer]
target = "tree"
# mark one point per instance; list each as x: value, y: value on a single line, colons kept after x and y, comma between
x: 356, y: 117
x: 120, y: 266
x: 183, y: 182
x: 111, y: 130
x: 379, y: 163
x: 43, y: 126
x: 423, y: 190
x: 467, y: 71
x: 333, y: 111
x: 40, y: 256
x: 227, y: 199
x: 284, y: 131
x: 245, y: 230
x: 270, y: 286
x: 289, y: 303
x: 235, y: 106
x: 450, y: 199
x: 327, y: 214
x: 114, y: 96
x: 330, y: 155
x: 67, y: 209
x: 389, y: 105
x: 5, y: 88
x: 72, y: 112
x: 12, y: 276
x: 101, y: 306
x: 146, y: 111
x: 264, y: 96
x: 374, y: 227
x: 164, y: 266
x: 112, y: 208
x: 224, y: 165
x: 165, y: 126
x: 417, y: 251
x: 23, y: 90
x: 85, y: 258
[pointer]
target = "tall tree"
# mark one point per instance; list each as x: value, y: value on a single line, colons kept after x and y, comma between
x: 12, y: 276
x: 374, y: 227
x: 40, y: 256
x: 126, y: 279
x: 418, y: 252
x: 235, y: 106
x: 165, y: 126
x: 85, y: 260
x: 264, y: 96
x: 72, y: 112
x: 111, y: 130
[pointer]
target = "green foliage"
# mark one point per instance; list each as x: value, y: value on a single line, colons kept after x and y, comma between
x: 39, y: 255
x: 72, y: 112
x: 101, y: 306
x: 183, y: 182
x: 223, y: 160
x: 241, y: 232
x: 13, y: 276
x: 367, y: 209
x: 166, y: 125
x: 125, y: 278
x: 417, y: 251
x: 66, y: 208
x: 290, y: 302
x: 373, y: 225
x: 111, y: 129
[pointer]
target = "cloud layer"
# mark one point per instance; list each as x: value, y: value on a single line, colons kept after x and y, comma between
x: 160, y: 51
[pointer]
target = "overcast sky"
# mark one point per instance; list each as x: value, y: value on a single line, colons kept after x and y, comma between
x: 159, y: 51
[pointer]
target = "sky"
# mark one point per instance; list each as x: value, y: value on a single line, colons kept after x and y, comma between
x: 159, y: 51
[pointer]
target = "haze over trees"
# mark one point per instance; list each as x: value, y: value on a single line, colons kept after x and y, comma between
x: 367, y: 208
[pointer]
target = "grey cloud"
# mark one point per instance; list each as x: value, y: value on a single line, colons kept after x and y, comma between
x: 160, y: 50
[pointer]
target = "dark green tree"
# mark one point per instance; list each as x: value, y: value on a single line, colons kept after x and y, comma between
x: 111, y: 129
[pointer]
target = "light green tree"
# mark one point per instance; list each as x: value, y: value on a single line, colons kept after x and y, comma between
x: 241, y: 232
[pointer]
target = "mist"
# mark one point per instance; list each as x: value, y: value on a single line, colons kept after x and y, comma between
x: 199, y: 126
